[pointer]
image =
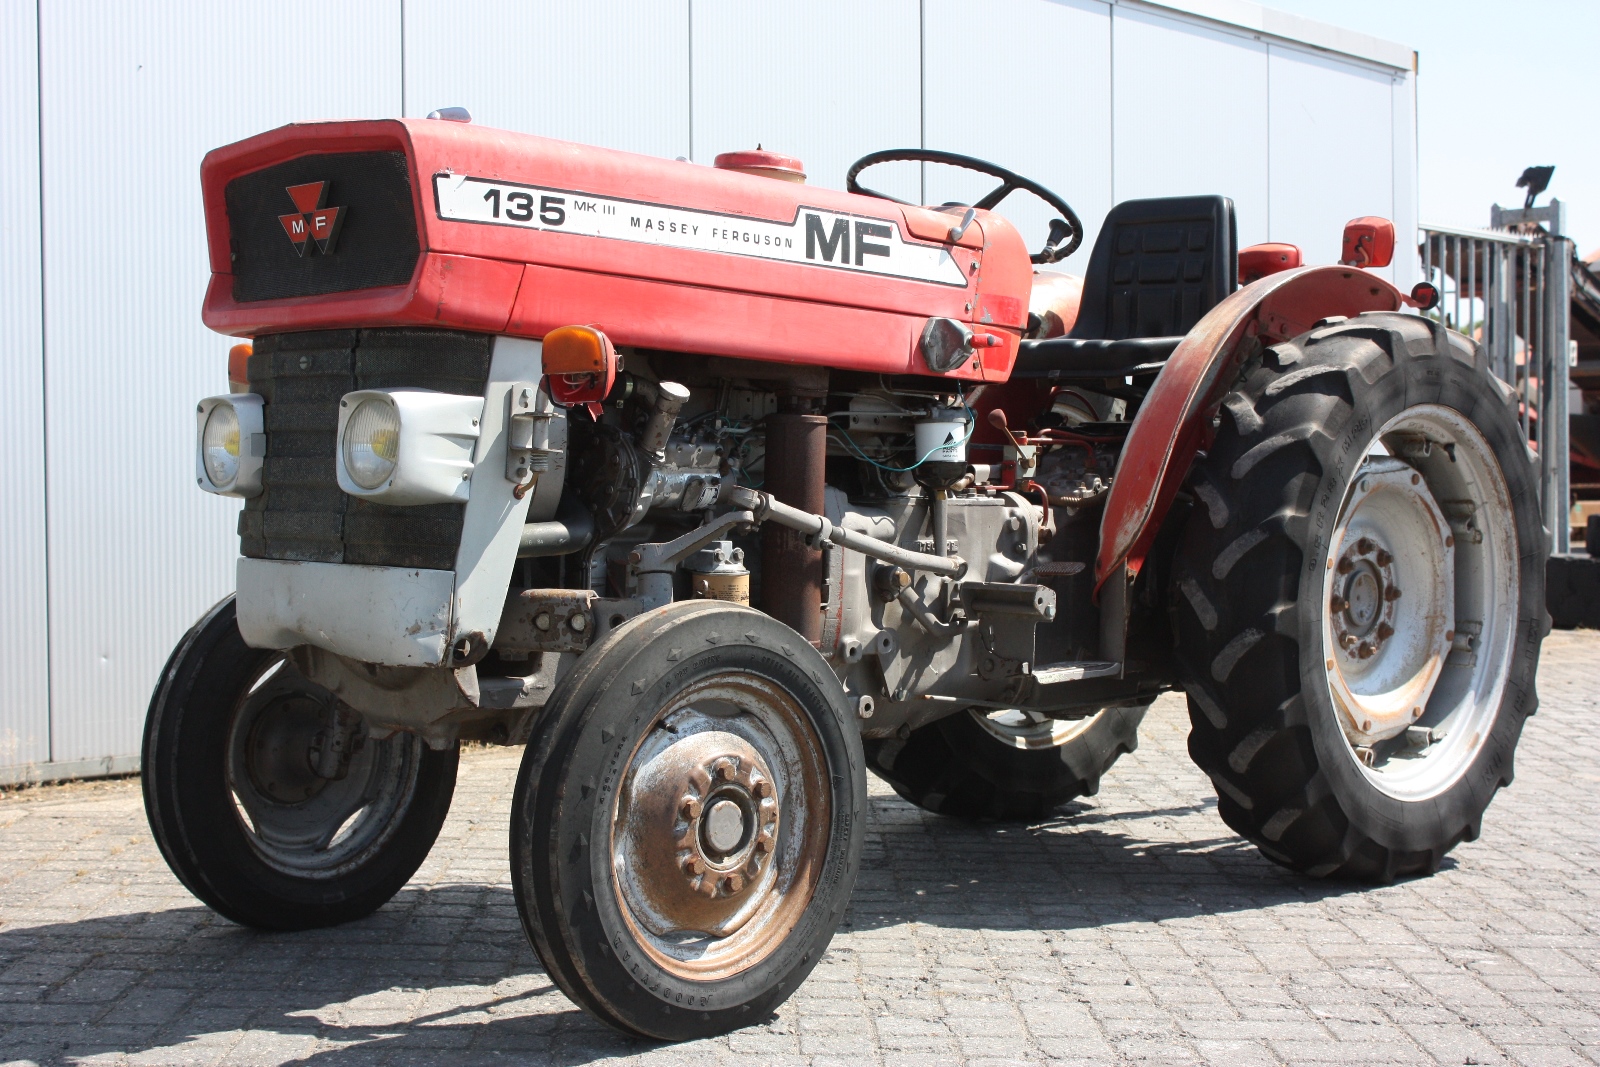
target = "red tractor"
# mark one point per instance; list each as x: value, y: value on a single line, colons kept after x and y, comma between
x: 716, y: 491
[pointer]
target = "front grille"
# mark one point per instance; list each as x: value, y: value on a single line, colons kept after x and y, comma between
x: 303, y: 514
x: 376, y: 244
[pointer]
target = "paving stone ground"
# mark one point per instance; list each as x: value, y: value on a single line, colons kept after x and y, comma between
x: 1134, y: 927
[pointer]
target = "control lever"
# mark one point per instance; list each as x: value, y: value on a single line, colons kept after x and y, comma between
x: 997, y: 419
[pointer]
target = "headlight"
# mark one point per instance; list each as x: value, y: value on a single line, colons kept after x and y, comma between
x: 407, y: 446
x: 232, y: 444
x: 371, y: 443
x: 219, y: 446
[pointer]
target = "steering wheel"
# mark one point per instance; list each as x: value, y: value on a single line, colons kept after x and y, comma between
x: 1067, y: 227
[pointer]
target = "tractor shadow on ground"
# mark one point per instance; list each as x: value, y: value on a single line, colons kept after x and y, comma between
x: 171, y: 983
x: 1083, y: 867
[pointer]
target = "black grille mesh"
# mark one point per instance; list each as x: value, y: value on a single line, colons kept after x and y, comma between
x: 376, y: 246
x: 303, y: 514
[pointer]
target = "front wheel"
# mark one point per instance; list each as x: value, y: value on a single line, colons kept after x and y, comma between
x: 1359, y: 597
x: 265, y: 803
x: 687, y: 823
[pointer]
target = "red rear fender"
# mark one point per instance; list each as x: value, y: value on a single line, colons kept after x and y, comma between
x: 1174, y: 422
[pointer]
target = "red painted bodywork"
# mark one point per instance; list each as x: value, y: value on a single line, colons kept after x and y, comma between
x: 1258, y: 261
x: 526, y: 282
x: 1174, y: 422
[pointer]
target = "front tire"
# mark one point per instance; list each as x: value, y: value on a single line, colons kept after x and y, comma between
x: 687, y: 823
x: 237, y: 808
x: 1359, y: 597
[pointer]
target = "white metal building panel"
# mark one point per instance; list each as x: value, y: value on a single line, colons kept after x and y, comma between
x: 613, y: 73
x: 1190, y: 114
x: 24, y: 682
x: 827, y: 81
x: 1332, y: 148
x: 1048, y: 119
x: 134, y: 96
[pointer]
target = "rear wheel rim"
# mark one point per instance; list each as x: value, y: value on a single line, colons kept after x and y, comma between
x: 1419, y: 603
x: 720, y: 829
x: 297, y: 823
x: 1029, y: 731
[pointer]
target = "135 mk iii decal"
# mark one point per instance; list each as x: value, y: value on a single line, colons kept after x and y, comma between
x: 815, y: 236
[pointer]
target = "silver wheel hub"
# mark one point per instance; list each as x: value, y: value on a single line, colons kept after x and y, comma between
x: 719, y: 827
x: 1419, y: 602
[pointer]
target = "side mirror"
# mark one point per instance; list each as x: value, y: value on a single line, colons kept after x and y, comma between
x: 1258, y: 261
x: 1368, y: 242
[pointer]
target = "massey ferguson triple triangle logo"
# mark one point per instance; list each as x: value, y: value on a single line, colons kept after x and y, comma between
x: 313, y: 221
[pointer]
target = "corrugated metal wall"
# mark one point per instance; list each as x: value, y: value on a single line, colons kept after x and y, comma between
x: 106, y: 547
x: 24, y: 669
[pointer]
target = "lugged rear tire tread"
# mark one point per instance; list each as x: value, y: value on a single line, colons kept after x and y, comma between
x: 1235, y: 594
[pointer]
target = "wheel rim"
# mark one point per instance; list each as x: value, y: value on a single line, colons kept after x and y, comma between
x: 1030, y: 731
x: 297, y: 822
x: 721, y: 826
x: 1420, y: 602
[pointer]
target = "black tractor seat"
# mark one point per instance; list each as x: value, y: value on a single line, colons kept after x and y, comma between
x: 1157, y: 267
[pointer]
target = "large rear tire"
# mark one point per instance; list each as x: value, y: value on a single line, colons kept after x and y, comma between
x: 687, y: 823
x: 1006, y: 765
x: 1359, y: 597
x: 238, y: 809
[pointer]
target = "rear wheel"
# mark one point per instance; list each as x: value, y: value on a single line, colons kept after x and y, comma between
x: 687, y: 823
x: 1009, y: 765
x: 1359, y: 598
x: 265, y: 805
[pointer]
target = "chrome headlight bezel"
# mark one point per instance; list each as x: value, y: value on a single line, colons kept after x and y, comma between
x: 433, y: 460
x: 249, y: 410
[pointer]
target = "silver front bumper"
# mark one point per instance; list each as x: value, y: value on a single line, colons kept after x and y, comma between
x: 399, y: 616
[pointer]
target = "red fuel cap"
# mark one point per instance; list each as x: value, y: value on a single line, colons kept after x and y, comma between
x: 757, y: 160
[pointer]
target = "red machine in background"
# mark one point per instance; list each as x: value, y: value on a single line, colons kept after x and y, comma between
x: 717, y: 490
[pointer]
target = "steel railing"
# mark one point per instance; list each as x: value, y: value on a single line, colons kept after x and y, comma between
x: 1510, y: 292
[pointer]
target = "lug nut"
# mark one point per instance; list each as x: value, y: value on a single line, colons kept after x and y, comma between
x: 1385, y: 631
x: 763, y: 844
x: 1365, y: 651
x: 1337, y: 603
x: 1345, y: 566
x: 722, y: 769
x: 1364, y: 546
x: 1348, y: 641
x: 733, y: 883
x: 692, y: 864
x: 690, y: 807
x: 761, y: 788
x: 1392, y: 593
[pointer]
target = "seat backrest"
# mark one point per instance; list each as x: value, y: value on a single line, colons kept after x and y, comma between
x: 1158, y: 266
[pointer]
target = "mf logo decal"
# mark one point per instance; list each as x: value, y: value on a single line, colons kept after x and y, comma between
x: 312, y: 220
x: 815, y: 236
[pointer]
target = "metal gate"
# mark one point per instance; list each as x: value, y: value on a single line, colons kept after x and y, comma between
x: 1511, y: 293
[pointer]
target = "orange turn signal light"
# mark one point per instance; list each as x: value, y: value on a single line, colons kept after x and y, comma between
x: 238, y: 372
x: 578, y: 350
x: 580, y: 365
x: 1368, y: 242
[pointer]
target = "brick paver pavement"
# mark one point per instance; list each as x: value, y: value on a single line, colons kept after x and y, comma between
x: 1134, y: 927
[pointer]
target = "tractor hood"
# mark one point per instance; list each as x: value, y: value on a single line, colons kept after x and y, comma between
x: 434, y: 223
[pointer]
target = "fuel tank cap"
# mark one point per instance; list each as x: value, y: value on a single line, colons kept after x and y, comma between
x: 758, y: 160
